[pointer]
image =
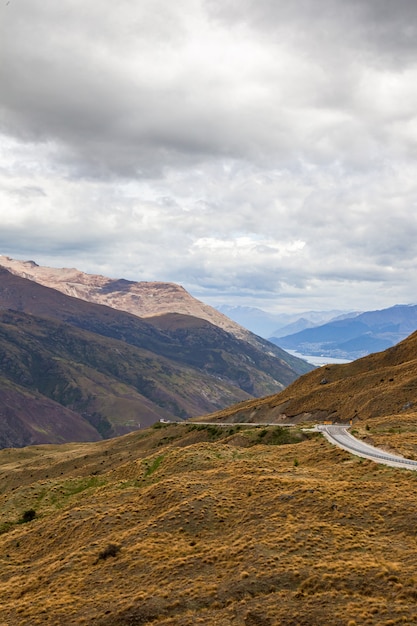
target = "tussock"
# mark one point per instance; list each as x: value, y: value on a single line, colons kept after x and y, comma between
x: 211, y: 532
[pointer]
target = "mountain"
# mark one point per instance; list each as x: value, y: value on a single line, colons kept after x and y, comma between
x: 109, y: 372
x: 27, y: 416
x: 352, y: 338
x: 379, y: 385
x: 143, y: 299
x: 267, y: 324
x: 259, y: 322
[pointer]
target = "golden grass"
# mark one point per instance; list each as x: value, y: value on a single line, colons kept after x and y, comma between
x: 219, y: 532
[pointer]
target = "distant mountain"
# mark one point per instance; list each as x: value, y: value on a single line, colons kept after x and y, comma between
x: 74, y: 370
x: 259, y: 322
x: 276, y: 324
x: 143, y: 299
x: 352, y: 338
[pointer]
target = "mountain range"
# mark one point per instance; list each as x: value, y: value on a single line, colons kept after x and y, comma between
x: 267, y: 324
x: 354, y: 337
x: 76, y: 370
x: 143, y: 299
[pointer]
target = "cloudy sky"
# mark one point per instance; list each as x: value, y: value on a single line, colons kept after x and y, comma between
x: 259, y: 152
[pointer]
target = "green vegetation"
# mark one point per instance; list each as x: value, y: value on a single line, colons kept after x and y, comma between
x: 281, y: 436
x: 6, y: 526
x: 27, y: 516
x: 251, y: 435
x: 159, y: 425
x: 152, y: 466
x: 73, y: 487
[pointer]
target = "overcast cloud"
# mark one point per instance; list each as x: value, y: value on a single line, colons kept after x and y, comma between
x: 260, y: 152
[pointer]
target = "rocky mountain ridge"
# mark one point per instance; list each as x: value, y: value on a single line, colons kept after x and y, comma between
x: 143, y: 299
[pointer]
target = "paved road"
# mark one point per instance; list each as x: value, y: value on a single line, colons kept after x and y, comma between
x: 229, y: 424
x: 339, y: 436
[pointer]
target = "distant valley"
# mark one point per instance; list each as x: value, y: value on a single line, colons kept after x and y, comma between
x: 334, y: 335
x: 380, y: 385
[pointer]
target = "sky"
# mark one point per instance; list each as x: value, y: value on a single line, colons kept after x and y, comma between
x: 258, y: 152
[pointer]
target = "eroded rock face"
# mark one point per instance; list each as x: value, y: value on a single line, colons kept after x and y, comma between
x: 144, y: 299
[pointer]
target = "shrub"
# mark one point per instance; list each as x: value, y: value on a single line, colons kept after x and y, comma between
x: 111, y: 550
x: 28, y: 516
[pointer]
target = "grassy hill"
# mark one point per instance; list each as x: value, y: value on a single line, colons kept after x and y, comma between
x: 188, y: 524
x: 378, y: 385
x: 182, y: 524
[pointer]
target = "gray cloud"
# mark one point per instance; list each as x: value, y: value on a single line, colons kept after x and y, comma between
x: 380, y: 29
x: 261, y: 151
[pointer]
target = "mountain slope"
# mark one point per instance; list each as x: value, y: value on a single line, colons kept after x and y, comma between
x: 143, y: 299
x: 116, y: 371
x: 151, y: 334
x: 26, y: 417
x: 377, y: 385
x: 110, y: 386
x: 355, y: 337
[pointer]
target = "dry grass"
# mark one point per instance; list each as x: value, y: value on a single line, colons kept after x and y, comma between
x: 210, y: 532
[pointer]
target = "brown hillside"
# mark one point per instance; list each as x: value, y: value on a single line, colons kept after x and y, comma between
x: 185, y: 525
x: 26, y: 417
x: 377, y: 385
x: 115, y: 370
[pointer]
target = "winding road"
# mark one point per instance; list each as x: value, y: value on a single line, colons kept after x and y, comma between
x: 339, y: 436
